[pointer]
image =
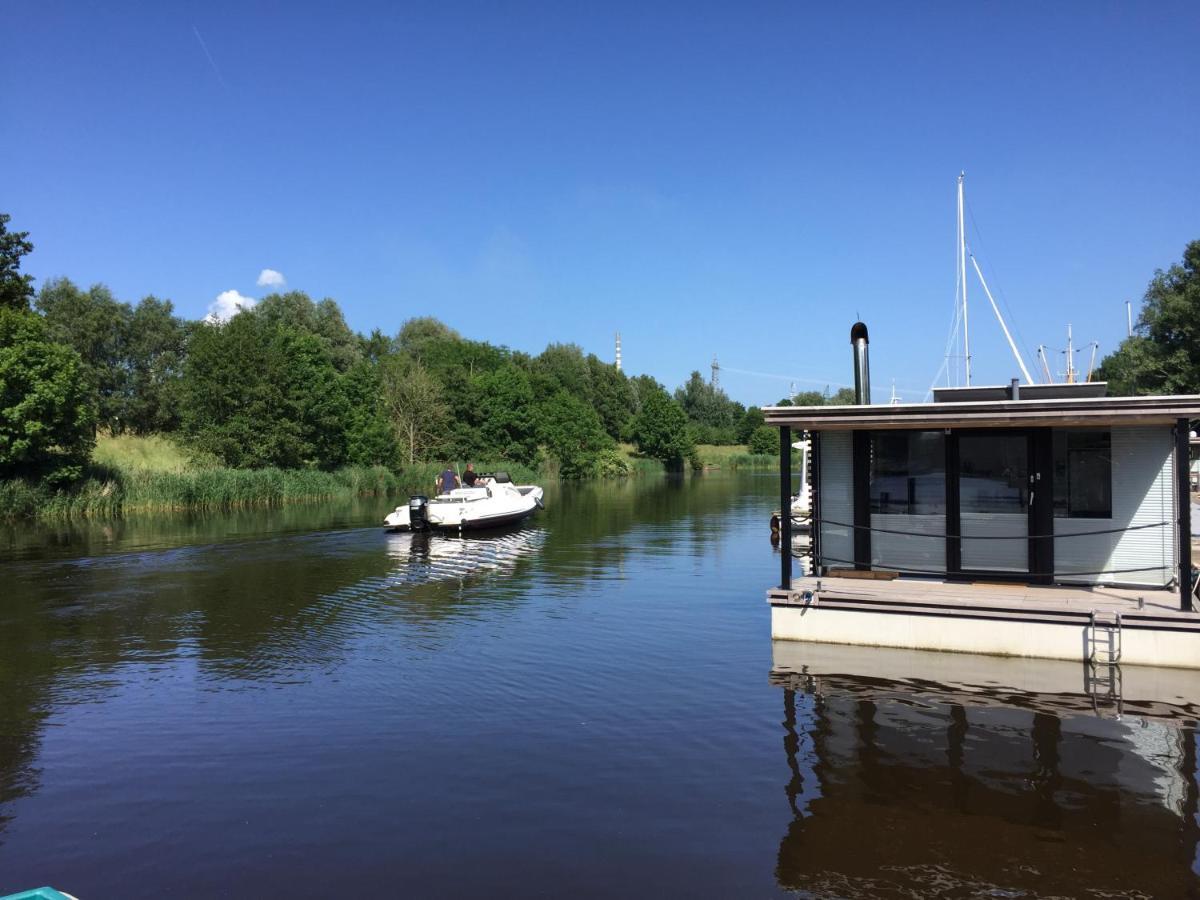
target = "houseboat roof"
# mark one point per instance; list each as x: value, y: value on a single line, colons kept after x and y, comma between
x: 952, y: 412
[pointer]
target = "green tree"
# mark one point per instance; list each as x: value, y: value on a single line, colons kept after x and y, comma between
x: 503, y: 409
x: 842, y: 397
x: 765, y: 440
x: 810, y: 398
x: 562, y: 367
x: 715, y: 416
x: 571, y: 432
x: 47, y: 410
x: 1163, y: 356
x: 370, y: 439
x: 752, y: 419
x: 415, y: 405
x: 660, y: 430
x: 376, y: 346
x: 419, y: 333
x: 155, y: 352
x: 262, y: 394
x: 16, y: 290
x: 613, y: 397
x: 97, y: 326
x: 324, y: 320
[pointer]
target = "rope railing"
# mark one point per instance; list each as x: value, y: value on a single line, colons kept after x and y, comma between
x: 988, y: 537
x: 941, y: 573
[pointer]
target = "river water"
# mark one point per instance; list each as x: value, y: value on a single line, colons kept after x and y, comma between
x: 294, y: 703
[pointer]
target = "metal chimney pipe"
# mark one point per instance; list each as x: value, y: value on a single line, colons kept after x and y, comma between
x: 862, y: 368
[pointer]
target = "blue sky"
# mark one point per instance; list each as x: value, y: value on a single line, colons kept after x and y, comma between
x: 737, y: 179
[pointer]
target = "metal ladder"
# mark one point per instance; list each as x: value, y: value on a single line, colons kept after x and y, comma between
x: 1103, y: 667
x: 1104, y: 640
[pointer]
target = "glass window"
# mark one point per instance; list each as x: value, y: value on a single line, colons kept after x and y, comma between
x: 1082, y: 474
x: 993, y: 473
x: 908, y: 473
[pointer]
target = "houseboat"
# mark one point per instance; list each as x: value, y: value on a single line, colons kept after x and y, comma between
x: 1048, y: 521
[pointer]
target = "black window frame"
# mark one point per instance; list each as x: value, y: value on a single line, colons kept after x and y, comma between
x: 1097, y: 442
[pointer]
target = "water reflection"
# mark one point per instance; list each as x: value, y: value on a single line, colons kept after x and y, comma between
x: 905, y: 786
x: 425, y: 557
x: 281, y: 706
x: 261, y: 599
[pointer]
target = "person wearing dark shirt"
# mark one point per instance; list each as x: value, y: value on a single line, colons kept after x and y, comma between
x: 449, y: 481
x: 470, y: 476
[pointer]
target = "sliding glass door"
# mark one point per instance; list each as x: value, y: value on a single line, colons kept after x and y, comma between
x: 994, y: 494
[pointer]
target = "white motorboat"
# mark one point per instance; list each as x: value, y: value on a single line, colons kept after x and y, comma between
x: 492, y: 502
x: 801, y: 513
x: 802, y: 499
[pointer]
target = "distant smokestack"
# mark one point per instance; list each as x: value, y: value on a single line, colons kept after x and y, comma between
x: 862, y: 368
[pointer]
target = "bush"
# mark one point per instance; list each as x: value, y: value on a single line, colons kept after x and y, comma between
x: 571, y: 431
x: 661, y: 430
x: 611, y: 464
x: 47, y: 412
x: 764, y: 440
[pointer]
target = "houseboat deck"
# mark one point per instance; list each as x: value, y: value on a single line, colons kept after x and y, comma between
x: 1098, y: 624
x: 918, y: 596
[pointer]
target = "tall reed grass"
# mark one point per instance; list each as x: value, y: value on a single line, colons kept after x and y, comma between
x: 107, y: 492
x: 110, y: 493
x: 734, y: 456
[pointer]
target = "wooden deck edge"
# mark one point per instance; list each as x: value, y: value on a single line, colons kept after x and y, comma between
x: 987, y: 612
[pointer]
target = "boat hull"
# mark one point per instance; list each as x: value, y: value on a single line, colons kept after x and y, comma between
x: 485, y: 522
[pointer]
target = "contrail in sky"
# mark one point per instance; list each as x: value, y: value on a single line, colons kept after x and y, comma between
x: 204, y: 47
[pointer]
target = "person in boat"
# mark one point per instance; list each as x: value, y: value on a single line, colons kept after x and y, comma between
x: 447, y: 481
x: 471, y: 477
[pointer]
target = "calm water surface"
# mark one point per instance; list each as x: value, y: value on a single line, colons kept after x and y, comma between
x: 295, y: 703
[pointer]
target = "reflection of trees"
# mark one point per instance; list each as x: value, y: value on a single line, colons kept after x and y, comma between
x: 892, y: 797
x: 261, y: 595
x: 683, y: 514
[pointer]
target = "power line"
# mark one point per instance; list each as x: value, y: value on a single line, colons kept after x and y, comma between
x: 826, y: 382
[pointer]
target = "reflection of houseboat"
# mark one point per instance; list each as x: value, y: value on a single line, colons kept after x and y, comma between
x: 1046, y: 520
x: 992, y: 783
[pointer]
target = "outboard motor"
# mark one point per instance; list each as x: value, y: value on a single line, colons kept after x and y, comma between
x: 418, y: 519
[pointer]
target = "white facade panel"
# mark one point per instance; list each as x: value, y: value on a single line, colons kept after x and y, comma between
x: 1001, y: 542
x: 920, y: 549
x: 837, y: 498
x: 1143, y: 479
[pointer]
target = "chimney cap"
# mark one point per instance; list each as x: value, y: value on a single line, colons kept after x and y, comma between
x: 858, y: 331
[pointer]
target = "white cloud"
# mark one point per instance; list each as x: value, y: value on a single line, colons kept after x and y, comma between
x: 227, y: 305
x: 271, y: 278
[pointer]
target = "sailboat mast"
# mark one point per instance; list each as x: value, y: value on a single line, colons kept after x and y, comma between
x: 962, y: 276
x: 1070, y: 358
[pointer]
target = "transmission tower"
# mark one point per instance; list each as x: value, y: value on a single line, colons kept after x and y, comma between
x: 716, y: 373
x: 618, y: 351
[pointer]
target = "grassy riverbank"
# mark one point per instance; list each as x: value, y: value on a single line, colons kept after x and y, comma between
x: 734, y: 456
x: 152, y: 474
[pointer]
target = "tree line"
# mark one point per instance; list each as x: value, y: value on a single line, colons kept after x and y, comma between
x: 287, y: 383
x: 1162, y: 356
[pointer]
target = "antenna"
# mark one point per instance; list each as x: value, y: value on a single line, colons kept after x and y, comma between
x: 716, y: 373
x: 618, y: 351
x: 895, y: 399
